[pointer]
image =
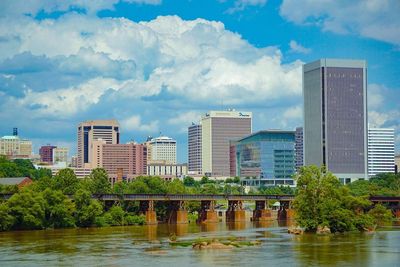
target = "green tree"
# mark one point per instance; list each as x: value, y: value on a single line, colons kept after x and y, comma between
x: 100, y: 182
x: 176, y: 187
x: 380, y: 215
x: 236, y: 180
x: 59, y: 210
x: 28, y: 209
x: 6, y: 219
x: 87, y: 209
x: 189, y: 181
x: 115, y: 216
x: 66, y: 181
x: 322, y: 201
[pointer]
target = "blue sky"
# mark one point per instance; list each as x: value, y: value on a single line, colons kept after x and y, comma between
x: 157, y: 65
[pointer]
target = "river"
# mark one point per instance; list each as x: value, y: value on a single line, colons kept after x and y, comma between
x: 149, y: 246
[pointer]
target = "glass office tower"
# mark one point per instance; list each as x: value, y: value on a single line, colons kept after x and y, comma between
x: 266, y: 158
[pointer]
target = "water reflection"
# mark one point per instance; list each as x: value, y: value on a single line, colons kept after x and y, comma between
x: 149, y: 245
x: 332, y: 250
x: 151, y: 231
x: 233, y: 226
x: 209, y: 227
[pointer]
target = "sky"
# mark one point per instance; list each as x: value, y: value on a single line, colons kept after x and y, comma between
x: 157, y: 65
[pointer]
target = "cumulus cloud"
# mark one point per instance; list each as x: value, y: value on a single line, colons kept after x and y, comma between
x: 376, y: 19
x: 295, y: 112
x: 183, y: 119
x: 77, y: 67
x: 298, y: 48
x: 134, y: 123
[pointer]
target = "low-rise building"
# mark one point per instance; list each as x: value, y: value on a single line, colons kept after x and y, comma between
x: 60, y: 154
x: 18, y: 181
x: 167, y: 170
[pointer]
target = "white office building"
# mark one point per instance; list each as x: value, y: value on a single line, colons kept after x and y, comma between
x: 380, y: 151
x: 163, y: 149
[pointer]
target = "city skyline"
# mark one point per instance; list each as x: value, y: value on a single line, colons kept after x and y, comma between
x: 176, y: 62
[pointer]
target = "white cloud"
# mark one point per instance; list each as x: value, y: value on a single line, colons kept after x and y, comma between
x: 198, y: 60
x: 377, y: 119
x: 79, y: 67
x: 298, y: 48
x: 375, y: 96
x: 376, y: 19
x: 240, y: 5
x: 134, y: 123
x: 295, y: 112
x: 184, y: 119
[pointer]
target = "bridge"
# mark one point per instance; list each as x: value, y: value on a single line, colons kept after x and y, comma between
x: 235, y: 212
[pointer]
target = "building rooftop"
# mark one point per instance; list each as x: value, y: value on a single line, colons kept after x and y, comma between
x: 10, y: 137
x: 266, y: 135
x: 12, y: 181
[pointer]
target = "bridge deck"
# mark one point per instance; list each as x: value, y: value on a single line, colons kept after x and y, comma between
x: 188, y: 197
x: 179, y: 197
x: 199, y: 197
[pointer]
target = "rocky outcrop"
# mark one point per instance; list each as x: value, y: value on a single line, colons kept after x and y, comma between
x: 295, y: 231
x: 323, y: 230
x: 215, y: 244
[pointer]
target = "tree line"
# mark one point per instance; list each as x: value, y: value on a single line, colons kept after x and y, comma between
x: 320, y: 199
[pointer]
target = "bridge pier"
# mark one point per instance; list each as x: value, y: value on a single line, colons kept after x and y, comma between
x: 235, y: 212
x: 177, y: 212
x: 261, y: 213
x: 207, y: 213
x: 285, y: 211
x: 147, y: 206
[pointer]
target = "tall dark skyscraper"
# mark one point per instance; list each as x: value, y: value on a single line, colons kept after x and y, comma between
x: 335, y: 117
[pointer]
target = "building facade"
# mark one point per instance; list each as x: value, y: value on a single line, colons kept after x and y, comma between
x: 15, y: 147
x: 397, y: 163
x: 194, y: 149
x: 163, y: 148
x: 380, y: 151
x: 166, y: 170
x: 89, y: 131
x: 299, y: 147
x: 46, y: 153
x: 266, y: 158
x: 335, y: 117
x: 218, y: 128
x: 121, y: 161
x: 60, y: 154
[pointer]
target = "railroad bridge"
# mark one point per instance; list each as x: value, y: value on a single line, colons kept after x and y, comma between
x: 177, y: 212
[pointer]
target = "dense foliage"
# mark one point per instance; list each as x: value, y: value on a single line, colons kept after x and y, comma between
x: 384, y: 184
x: 21, y: 168
x: 322, y: 201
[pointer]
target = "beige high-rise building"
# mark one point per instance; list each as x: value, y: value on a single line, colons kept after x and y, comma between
x: 218, y: 128
x: 13, y: 146
x: 163, y: 149
x: 88, y: 132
